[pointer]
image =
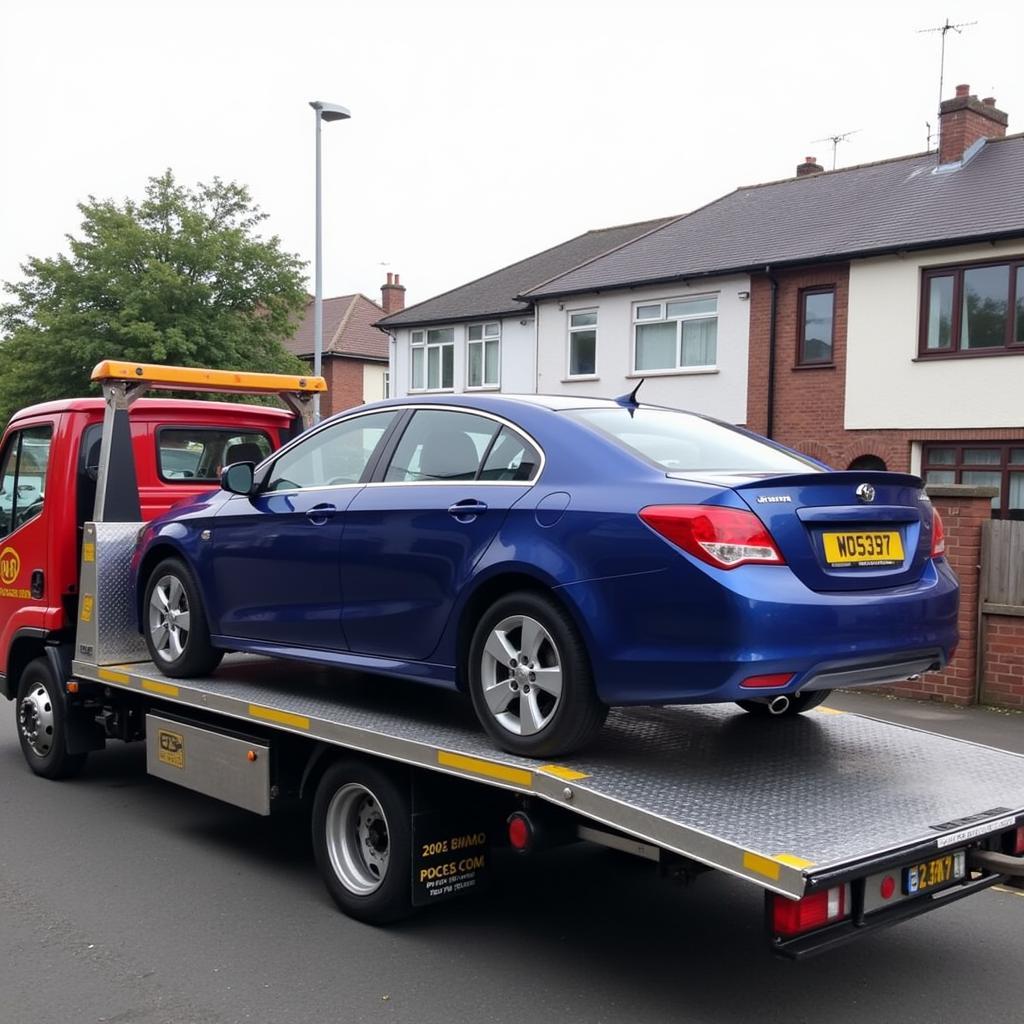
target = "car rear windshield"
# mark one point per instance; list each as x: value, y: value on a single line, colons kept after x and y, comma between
x: 198, y: 454
x: 681, y: 442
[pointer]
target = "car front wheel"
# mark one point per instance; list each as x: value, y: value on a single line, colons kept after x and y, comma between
x: 176, y: 631
x: 530, y: 679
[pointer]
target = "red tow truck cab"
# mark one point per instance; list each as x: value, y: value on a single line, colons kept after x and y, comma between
x: 49, y: 460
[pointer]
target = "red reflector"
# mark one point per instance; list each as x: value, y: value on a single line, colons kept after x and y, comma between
x: 1019, y: 845
x: 722, y: 537
x: 778, y: 679
x: 793, y: 917
x: 888, y: 887
x: 519, y: 832
x: 938, y: 536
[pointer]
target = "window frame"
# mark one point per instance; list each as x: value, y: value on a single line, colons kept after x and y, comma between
x: 959, y: 466
x: 571, y: 331
x: 801, y: 326
x: 956, y: 271
x: 425, y: 345
x: 483, y: 342
x: 664, y: 318
x: 16, y: 440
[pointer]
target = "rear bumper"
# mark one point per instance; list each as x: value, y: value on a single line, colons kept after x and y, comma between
x: 684, y: 636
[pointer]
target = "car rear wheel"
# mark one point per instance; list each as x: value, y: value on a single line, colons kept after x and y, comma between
x: 530, y: 679
x: 797, y: 704
x: 177, y: 634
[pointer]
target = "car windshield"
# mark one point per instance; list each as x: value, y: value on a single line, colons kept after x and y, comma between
x: 681, y: 442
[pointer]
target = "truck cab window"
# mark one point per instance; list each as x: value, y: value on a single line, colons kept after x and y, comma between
x: 23, y: 466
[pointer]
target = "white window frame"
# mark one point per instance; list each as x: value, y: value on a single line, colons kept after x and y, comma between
x: 485, y: 339
x: 678, y: 320
x: 578, y: 329
x: 387, y: 383
x: 419, y: 341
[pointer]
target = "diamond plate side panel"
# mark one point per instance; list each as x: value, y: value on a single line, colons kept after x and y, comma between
x: 117, y: 638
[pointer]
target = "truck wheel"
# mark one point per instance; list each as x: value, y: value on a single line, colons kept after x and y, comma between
x: 362, y: 839
x: 42, y: 723
x: 530, y: 679
x: 177, y: 633
x: 798, y: 704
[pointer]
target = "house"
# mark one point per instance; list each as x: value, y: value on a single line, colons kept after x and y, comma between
x: 881, y: 301
x: 355, y: 352
x: 480, y: 336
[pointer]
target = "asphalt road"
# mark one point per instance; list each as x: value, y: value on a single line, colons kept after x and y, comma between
x: 124, y: 899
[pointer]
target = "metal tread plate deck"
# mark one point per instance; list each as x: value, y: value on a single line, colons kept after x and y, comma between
x: 776, y: 802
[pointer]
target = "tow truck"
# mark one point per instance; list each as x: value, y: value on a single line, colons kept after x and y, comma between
x: 847, y: 824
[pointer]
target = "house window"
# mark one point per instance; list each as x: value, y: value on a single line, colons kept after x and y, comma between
x: 817, y: 311
x: 677, y: 334
x: 984, y: 465
x: 583, y: 343
x: 973, y: 308
x: 433, y: 359
x: 483, y: 355
x: 387, y: 384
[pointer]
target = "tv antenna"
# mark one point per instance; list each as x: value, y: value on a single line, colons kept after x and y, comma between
x: 835, y: 140
x: 945, y: 30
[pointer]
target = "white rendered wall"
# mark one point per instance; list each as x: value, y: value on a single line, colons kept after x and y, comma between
x: 373, y: 381
x: 887, y: 386
x: 721, y: 392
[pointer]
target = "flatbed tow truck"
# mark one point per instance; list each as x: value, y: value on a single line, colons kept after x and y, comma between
x: 846, y: 823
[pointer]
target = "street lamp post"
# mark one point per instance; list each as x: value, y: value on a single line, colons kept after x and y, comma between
x: 323, y: 112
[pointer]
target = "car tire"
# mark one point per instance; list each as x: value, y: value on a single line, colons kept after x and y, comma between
x: 41, y: 716
x: 171, y: 597
x: 362, y: 841
x: 519, y: 706
x: 798, y: 704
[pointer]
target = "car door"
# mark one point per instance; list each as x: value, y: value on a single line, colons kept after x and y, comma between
x: 275, y: 554
x: 413, y: 536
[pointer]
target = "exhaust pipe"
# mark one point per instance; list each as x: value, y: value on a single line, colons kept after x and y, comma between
x: 779, y: 705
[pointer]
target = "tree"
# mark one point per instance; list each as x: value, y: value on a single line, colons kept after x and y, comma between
x: 181, y: 277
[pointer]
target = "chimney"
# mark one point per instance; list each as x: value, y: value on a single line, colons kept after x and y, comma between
x: 963, y: 120
x: 809, y: 166
x: 392, y: 295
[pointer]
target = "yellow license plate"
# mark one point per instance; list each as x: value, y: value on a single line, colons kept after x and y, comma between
x: 868, y: 548
x: 933, y: 873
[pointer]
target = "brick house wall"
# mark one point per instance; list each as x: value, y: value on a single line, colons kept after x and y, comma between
x: 344, y: 376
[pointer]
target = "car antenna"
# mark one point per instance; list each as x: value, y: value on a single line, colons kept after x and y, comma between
x: 629, y: 401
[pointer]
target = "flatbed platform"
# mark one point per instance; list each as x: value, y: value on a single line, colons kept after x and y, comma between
x: 793, y: 805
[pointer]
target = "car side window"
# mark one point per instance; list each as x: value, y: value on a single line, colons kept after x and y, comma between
x: 338, y: 454
x: 23, y: 466
x: 439, y: 445
x: 511, y: 457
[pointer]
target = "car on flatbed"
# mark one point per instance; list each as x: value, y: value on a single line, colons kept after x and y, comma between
x: 553, y: 557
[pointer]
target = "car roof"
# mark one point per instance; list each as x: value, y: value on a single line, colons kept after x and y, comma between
x: 556, y: 403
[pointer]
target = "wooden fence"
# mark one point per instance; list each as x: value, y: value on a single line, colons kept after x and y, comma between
x: 1002, y: 567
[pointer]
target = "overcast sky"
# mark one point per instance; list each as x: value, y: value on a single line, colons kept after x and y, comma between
x: 482, y: 131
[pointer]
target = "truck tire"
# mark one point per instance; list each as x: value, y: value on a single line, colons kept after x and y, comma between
x: 798, y: 704
x: 41, y: 715
x: 530, y: 679
x: 362, y: 840
x: 174, y: 622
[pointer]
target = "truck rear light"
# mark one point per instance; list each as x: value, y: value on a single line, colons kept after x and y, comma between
x: 520, y: 832
x: 722, y: 537
x: 1018, y: 846
x: 794, y: 917
x: 938, y: 536
x: 778, y: 679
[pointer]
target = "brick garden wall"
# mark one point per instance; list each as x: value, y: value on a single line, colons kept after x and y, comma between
x: 1003, y: 677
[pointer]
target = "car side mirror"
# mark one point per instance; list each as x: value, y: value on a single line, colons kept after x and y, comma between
x: 238, y: 478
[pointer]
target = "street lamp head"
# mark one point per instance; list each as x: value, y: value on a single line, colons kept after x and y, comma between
x: 330, y: 111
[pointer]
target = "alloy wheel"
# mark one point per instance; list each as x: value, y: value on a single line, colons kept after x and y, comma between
x: 358, y: 839
x: 169, y: 618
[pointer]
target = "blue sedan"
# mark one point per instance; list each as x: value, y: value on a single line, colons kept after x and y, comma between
x: 552, y: 557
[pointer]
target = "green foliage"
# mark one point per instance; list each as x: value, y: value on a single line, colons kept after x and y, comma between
x: 181, y: 278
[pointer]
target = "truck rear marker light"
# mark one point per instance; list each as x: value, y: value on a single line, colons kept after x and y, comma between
x: 520, y: 832
x: 938, y: 536
x: 794, y: 917
x: 776, y: 679
x: 722, y: 537
x: 888, y: 888
x: 1018, y: 846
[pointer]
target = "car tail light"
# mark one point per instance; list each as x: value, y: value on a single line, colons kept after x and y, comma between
x: 1018, y: 847
x: 722, y: 537
x: 938, y: 536
x: 794, y: 917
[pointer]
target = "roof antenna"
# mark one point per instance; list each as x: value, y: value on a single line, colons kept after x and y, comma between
x: 629, y: 401
x: 835, y: 140
x: 944, y: 29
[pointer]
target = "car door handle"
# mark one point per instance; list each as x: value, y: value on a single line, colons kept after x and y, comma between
x: 466, y: 511
x: 319, y: 514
